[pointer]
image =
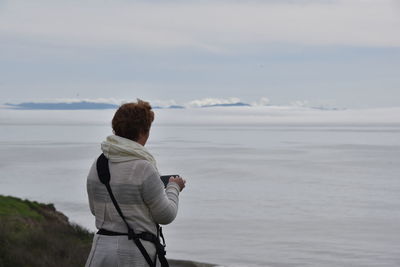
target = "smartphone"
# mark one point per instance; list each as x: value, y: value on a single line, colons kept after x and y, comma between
x: 165, y: 178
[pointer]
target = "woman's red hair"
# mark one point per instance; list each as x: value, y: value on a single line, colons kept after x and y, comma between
x: 133, y: 119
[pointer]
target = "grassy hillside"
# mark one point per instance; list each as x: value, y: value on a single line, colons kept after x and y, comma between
x: 35, y: 234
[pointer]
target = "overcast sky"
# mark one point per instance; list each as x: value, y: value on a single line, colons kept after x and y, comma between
x: 325, y: 52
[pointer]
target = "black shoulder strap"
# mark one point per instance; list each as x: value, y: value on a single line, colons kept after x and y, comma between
x: 104, y: 175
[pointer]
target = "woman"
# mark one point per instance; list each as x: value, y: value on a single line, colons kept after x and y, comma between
x: 136, y: 185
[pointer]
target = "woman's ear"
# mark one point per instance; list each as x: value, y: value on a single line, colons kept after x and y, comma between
x: 143, y: 136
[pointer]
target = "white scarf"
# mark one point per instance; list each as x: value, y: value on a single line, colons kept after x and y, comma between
x: 119, y: 149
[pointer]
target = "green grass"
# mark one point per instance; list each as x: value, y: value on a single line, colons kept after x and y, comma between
x: 11, y: 206
x: 34, y: 234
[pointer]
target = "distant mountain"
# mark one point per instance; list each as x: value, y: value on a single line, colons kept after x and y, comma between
x: 239, y: 104
x: 73, y: 106
x: 176, y: 107
x: 62, y: 105
x: 326, y: 108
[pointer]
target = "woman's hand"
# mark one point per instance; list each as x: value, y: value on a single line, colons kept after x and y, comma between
x: 179, y: 180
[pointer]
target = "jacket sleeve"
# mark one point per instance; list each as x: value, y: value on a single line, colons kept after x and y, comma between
x: 90, y: 187
x: 162, y: 203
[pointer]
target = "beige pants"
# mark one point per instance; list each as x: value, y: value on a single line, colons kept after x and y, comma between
x: 109, y: 251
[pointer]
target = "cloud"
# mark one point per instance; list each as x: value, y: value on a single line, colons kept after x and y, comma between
x: 61, y: 103
x: 154, y: 103
x: 115, y: 101
x: 299, y: 103
x: 210, y: 25
x: 163, y: 103
x: 212, y: 101
x: 263, y: 101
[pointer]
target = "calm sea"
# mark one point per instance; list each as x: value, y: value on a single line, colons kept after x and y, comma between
x: 295, y: 193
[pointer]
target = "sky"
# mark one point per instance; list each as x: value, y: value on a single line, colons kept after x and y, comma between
x: 339, y: 53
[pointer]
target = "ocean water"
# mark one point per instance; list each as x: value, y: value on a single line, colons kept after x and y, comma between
x: 265, y: 187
